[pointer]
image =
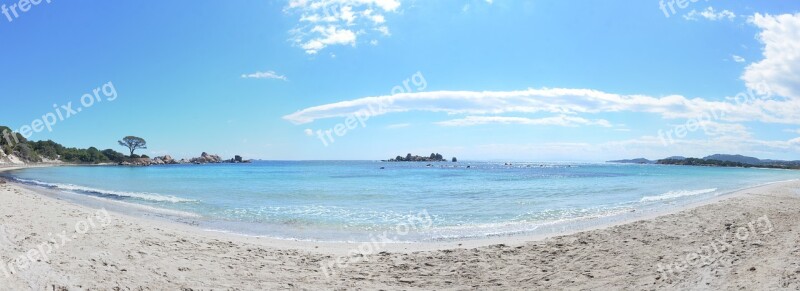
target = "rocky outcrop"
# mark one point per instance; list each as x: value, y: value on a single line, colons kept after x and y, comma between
x: 237, y: 159
x: 205, y: 158
x: 168, y: 160
x: 165, y: 160
x: 435, y: 157
x: 137, y: 162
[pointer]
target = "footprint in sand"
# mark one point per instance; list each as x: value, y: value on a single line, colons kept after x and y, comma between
x: 6, y: 236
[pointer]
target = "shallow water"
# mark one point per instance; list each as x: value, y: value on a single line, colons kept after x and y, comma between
x: 356, y: 200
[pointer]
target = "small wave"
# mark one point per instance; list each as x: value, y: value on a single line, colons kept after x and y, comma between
x: 676, y: 194
x: 137, y: 195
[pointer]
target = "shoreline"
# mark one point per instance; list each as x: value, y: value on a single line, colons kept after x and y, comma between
x: 649, y: 253
x: 167, y: 218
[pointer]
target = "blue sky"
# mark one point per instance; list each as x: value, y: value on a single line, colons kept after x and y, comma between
x: 515, y: 80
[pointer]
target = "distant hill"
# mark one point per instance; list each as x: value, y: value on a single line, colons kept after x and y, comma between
x: 734, y: 158
x: 751, y: 160
x: 718, y: 160
x: 634, y: 161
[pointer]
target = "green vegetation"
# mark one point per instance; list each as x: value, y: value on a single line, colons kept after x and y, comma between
x: 37, y: 151
x: 718, y: 163
x: 434, y: 157
x: 8, y: 141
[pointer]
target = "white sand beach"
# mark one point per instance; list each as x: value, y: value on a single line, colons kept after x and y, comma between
x: 747, y: 241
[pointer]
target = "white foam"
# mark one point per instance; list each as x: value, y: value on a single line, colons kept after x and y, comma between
x: 676, y: 194
x: 138, y: 195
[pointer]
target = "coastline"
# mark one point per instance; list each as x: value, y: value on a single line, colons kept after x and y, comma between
x: 630, y: 254
x: 186, y: 221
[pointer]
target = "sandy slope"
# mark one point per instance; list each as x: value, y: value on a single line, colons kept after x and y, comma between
x: 750, y: 242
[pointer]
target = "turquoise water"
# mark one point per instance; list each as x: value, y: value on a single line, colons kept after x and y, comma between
x: 351, y: 201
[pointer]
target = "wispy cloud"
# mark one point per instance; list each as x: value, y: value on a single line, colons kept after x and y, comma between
x: 738, y: 59
x: 710, y: 14
x: 793, y: 131
x: 561, y: 120
x: 325, y: 23
x: 398, y: 125
x: 555, y: 100
x: 265, y: 75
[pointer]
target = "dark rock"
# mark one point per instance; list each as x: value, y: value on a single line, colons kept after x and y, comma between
x: 168, y: 160
x: 137, y: 162
x: 206, y: 158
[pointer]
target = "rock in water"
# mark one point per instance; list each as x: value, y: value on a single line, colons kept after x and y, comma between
x: 168, y: 159
x: 206, y: 158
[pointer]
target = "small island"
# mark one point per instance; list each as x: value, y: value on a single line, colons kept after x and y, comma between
x: 434, y: 157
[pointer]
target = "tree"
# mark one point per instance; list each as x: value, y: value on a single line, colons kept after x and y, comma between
x: 10, y: 138
x: 26, y: 153
x: 133, y: 143
x: 114, y: 156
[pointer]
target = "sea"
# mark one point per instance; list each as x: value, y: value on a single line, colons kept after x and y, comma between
x: 355, y: 201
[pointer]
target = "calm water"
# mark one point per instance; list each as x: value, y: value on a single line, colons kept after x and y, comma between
x: 350, y: 201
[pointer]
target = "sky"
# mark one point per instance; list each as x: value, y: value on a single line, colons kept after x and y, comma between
x: 373, y: 79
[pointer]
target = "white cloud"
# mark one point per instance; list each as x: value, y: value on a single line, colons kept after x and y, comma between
x: 264, y: 75
x: 308, y: 132
x: 556, y: 100
x: 347, y: 14
x: 561, y: 120
x: 330, y: 35
x: 325, y: 23
x: 383, y: 30
x: 780, y: 68
x: 399, y: 125
x: 738, y: 59
x: 376, y: 18
x: 710, y: 14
